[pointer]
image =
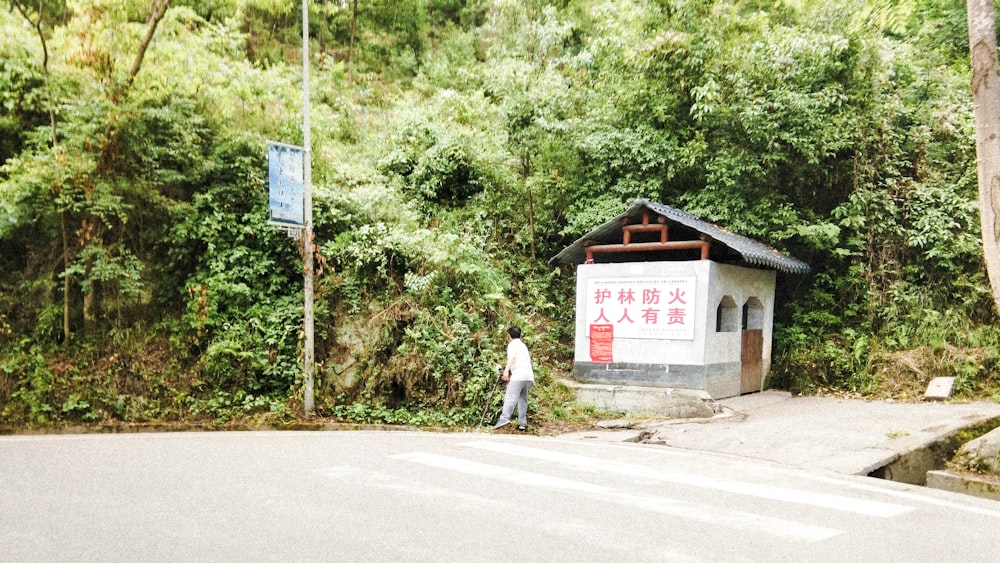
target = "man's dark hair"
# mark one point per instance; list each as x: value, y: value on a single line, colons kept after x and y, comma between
x: 514, y: 332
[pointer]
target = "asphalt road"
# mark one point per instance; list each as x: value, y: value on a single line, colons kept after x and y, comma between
x: 406, y: 496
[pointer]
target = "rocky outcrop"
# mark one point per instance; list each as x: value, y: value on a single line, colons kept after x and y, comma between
x: 981, y: 455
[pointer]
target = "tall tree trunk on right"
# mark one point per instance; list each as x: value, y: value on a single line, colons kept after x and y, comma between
x: 986, y: 99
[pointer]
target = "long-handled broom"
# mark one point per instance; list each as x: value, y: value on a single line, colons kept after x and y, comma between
x: 489, y: 400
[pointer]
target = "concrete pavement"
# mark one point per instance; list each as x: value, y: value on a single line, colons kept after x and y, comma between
x: 843, y: 435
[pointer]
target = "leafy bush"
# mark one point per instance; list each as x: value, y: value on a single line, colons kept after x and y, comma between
x: 457, y: 146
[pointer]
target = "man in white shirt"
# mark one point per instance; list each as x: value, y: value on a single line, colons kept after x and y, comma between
x: 519, y: 377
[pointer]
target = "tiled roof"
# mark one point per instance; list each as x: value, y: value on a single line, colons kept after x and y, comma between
x: 735, y: 248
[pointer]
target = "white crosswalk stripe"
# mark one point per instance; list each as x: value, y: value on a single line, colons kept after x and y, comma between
x: 756, y: 523
x: 910, y: 496
x: 835, y: 502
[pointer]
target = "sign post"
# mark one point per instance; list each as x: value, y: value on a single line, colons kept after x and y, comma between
x: 307, y: 239
x: 289, y: 171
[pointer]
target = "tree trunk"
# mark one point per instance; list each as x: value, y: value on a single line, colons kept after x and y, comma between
x: 350, y: 48
x: 986, y: 99
x: 89, y: 305
x: 156, y: 11
x: 526, y: 169
x: 34, y: 14
x: 66, y: 278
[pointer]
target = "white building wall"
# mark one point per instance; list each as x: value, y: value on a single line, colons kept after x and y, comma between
x: 642, y: 350
x: 710, y: 361
x: 742, y: 284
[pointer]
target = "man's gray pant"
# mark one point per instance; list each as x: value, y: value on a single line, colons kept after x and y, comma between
x: 516, y: 396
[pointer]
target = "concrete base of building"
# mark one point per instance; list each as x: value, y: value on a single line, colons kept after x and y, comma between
x: 638, y: 400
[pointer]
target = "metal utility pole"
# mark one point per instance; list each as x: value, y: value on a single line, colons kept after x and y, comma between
x: 307, y: 238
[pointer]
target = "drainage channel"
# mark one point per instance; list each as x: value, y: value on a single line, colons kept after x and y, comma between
x: 927, y: 466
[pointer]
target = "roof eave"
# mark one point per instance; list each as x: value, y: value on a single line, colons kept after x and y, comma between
x: 574, y: 253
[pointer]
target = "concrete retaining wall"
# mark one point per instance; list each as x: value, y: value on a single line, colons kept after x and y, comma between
x: 965, y: 483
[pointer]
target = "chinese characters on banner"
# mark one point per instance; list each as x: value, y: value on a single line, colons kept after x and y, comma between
x: 650, y: 308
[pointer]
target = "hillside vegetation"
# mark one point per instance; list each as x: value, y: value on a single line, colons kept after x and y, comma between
x: 457, y: 146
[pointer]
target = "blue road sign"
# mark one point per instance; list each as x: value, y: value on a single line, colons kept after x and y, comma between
x: 284, y: 172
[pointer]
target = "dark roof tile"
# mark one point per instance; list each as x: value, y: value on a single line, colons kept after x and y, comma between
x: 750, y: 251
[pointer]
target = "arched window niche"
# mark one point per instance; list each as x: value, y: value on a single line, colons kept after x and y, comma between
x: 727, y: 315
x: 753, y: 314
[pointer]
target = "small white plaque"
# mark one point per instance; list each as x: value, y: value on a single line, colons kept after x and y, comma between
x: 940, y: 388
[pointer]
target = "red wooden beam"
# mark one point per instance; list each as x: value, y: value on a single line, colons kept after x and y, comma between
x: 645, y: 227
x: 648, y: 247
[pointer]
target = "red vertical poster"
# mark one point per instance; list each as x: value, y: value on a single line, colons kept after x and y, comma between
x: 601, y: 339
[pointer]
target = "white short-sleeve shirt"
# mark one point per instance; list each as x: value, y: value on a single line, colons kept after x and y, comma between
x: 520, y: 367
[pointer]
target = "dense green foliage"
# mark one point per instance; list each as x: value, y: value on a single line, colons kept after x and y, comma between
x: 458, y: 144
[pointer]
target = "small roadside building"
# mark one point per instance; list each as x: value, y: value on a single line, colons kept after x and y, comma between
x: 666, y: 300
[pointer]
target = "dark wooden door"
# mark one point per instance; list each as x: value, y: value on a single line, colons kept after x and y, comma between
x: 752, y: 360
